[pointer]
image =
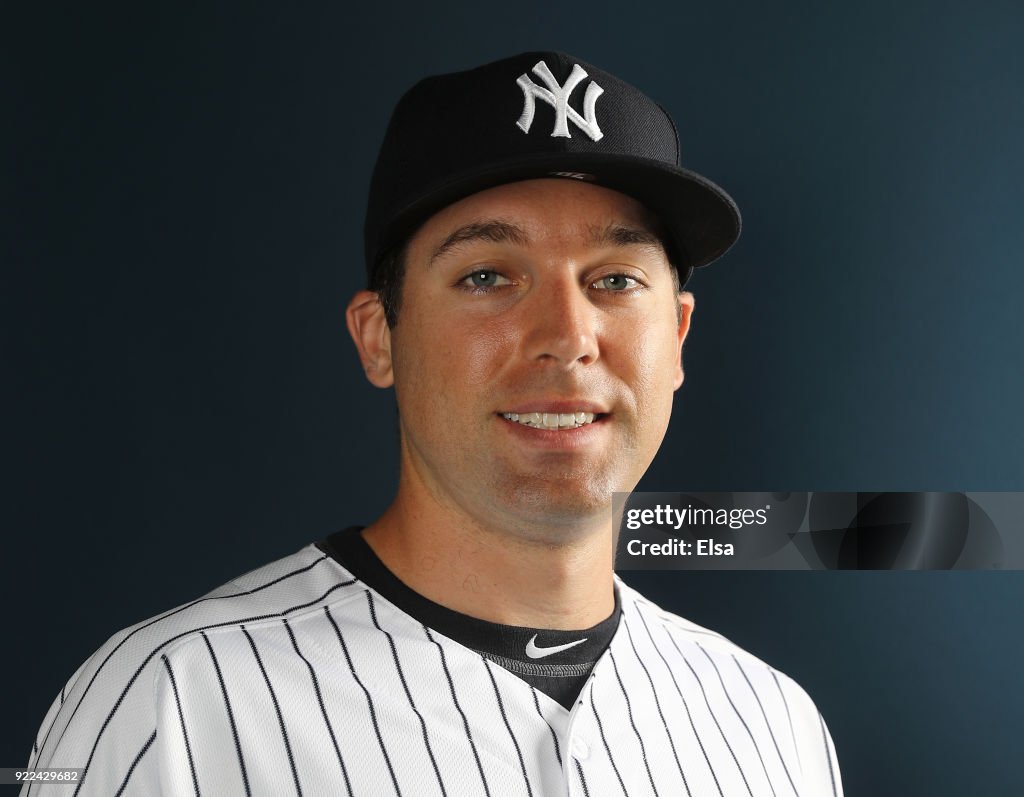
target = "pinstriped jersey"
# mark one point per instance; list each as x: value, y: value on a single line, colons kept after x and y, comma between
x: 298, y: 678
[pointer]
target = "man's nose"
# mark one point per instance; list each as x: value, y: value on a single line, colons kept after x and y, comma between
x: 562, y: 324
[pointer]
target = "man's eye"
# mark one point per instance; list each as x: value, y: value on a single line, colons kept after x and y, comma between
x: 484, y: 278
x: 616, y: 282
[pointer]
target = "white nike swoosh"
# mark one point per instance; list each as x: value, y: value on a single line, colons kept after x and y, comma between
x: 535, y: 652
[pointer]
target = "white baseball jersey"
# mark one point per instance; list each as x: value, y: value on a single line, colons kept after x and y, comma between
x: 297, y: 678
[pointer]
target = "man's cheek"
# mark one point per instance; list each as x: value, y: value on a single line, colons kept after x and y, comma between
x: 478, y: 358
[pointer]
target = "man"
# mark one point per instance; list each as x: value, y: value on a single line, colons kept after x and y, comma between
x: 528, y: 233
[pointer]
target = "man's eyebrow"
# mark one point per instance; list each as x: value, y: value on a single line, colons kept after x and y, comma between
x: 497, y: 231
x: 494, y: 230
x: 621, y: 235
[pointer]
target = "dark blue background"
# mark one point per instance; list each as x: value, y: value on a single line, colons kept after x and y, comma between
x: 184, y: 190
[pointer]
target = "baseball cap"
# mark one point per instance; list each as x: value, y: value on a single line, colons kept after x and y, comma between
x: 534, y: 115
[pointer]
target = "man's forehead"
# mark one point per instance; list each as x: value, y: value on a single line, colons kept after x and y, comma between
x: 536, y: 211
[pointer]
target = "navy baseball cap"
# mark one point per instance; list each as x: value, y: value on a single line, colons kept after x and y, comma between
x: 539, y: 114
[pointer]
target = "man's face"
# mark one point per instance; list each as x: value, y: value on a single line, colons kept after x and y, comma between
x: 536, y: 353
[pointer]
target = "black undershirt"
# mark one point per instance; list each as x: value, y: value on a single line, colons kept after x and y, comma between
x: 560, y: 675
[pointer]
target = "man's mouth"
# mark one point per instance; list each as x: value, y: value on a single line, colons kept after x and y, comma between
x: 553, y: 420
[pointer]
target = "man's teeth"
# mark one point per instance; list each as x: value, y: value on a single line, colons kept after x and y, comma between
x: 551, y: 420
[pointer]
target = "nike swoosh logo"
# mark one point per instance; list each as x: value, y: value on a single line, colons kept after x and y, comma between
x: 535, y: 652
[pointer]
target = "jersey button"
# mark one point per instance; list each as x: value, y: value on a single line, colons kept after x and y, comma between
x: 580, y: 749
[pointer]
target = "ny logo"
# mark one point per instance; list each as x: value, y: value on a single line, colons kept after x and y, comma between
x: 558, y: 98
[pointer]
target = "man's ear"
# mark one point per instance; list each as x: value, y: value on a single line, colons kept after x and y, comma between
x: 685, y: 313
x: 372, y: 336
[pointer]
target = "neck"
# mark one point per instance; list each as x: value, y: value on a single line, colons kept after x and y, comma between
x: 496, y: 574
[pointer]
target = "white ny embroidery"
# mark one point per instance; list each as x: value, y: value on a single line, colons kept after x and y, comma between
x: 558, y: 98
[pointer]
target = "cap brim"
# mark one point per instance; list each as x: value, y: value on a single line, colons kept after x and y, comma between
x: 701, y: 217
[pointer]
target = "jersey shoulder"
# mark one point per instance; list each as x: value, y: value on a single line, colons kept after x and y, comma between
x: 731, y: 681
x: 291, y: 586
x: 692, y: 640
x: 106, y: 710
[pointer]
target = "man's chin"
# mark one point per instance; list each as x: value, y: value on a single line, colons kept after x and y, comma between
x: 555, y: 512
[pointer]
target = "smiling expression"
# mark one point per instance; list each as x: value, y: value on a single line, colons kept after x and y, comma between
x: 536, y: 352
